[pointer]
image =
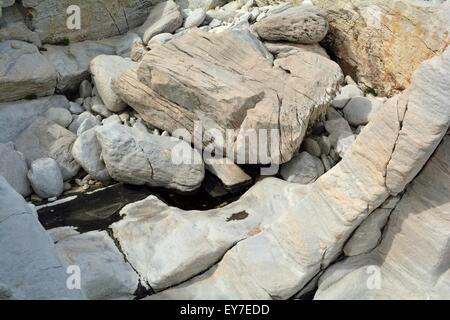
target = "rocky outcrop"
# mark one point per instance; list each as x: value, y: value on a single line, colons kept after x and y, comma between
x: 316, y: 220
x: 46, y: 139
x: 16, y: 80
x: 105, y: 273
x: 17, y: 116
x: 373, y: 40
x: 242, y: 89
x: 412, y: 261
x: 37, y: 272
x: 139, y: 158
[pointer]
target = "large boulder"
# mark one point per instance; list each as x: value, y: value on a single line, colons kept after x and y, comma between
x: 412, y: 260
x: 315, y: 221
x: 98, y: 19
x: 304, y: 24
x: 17, y: 116
x: 19, y: 31
x: 103, y: 68
x: 13, y: 168
x: 46, y: 139
x: 164, y: 17
x: 139, y: 158
x: 243, y: 89
x: 24, y: 72
x: 30, y: 267
x: 373, y: 40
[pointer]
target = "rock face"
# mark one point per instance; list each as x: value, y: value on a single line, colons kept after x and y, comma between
x: 373, y: 43
x: 37, y: 272
x: 314, y: 221
x: 412, y: 260
x: 13, y: 168
x: 105, y: 273
x: 103, y: 68
x: 304, y: 24
x: 17, y: 116
x: 16, y: 80
x: 46, y: 139
x: 98, y: 19
x: 87, y: 152
x: 72, y: 61
x: 164, y: 17
x: 139, y: 158
x: 243, y: 90
x: 19, y: 31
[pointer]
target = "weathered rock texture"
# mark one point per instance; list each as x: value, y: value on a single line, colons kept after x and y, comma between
x: 314, y: 222
x: 412, y: 261
x: 139, y: 158
x: 24, y: 72
x: 99, y: 19
x: 301, y: 24
x: 46, y: 139
x: 105, y: 273
x: 17, y: 116
x: 234, y: 86
x: 381, y: 43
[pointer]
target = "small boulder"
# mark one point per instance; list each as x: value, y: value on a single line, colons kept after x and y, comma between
x: 343, y: 97
x: 46, y: 178
x: 13, y: 168
x: 61, y: 116
x: 359, y: 110
x: 195, y: 18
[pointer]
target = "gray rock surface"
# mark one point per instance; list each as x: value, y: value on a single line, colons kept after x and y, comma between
x: 16, y: 81
x: 61, y: 116
x: 299, y: 24
x: 46, y: 139
x: 46, y: 178
x: 304, y: 168
x: 13, y: 168
x: 87, y: 152
x: 105, y: 273
x: 103, y: 68
x: 17, y: 116
x: 30, y: 267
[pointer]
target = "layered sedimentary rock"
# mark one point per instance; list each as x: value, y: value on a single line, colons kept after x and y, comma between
x: 412, y: 261
x: 99, y: 19
x: 235, y: 86
x: 313, y: 224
